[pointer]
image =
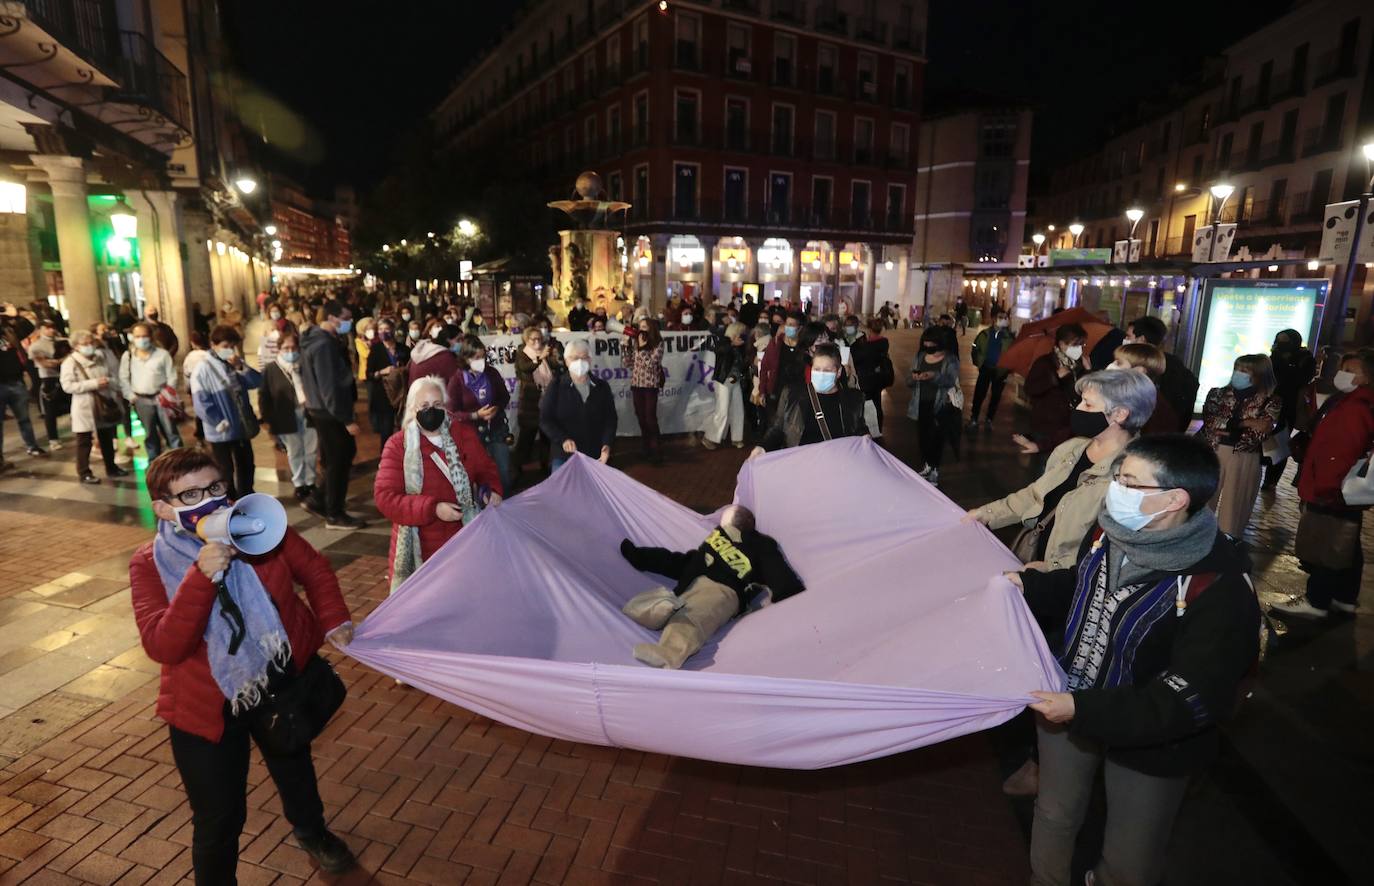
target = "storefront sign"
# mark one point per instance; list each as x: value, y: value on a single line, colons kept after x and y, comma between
x: 811, y: 259
x: 464, y: 270
x: 688, y: 255
x: 1243, y: 316
x: 1097, y: 256
x: 1338, y: 228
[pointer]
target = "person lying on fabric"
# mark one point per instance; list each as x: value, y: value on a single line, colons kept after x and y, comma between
x: 736, y: 569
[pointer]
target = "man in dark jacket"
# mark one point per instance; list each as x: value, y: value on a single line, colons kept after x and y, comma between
x: 736, y: 569
x: 162, y: 333
x: 1160, y: 626
x: 577, y: 412
x: 1178, y: 385
x: 330, y: 392
x: 579, y: 316
x: 988, y: 347
x: 1294, y: 369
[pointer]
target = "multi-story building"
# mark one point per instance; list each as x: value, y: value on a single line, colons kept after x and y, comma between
x: 973, y: 165
x: 311, y: 233
x: 1280, y: 116
x: 759, y: 142
x: 117, y: 157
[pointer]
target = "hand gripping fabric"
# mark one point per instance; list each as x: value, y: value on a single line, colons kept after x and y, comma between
x: 906, y: 635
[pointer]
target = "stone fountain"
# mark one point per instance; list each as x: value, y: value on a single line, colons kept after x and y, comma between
x: 588, y: 261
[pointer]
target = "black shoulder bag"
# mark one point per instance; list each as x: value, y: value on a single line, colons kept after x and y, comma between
x: 296, y: 708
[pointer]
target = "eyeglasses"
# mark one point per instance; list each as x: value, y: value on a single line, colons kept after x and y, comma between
x: 196, y: 496
x: 1117, y: 478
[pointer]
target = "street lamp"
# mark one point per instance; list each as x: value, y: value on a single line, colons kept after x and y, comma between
x: 466, y: 228
x: 1077, y: 231
x: 1133, y: 215
x: 1039, y: 240
x: 1220, y: 194
x: 1348, y: 277
x: 13, y: 198
x: 270, y: 230
x: 245, y: 185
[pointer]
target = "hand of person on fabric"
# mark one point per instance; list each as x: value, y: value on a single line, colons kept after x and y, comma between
x: 756, y: 452
x: 214, y: 559
x: 1057, y: 707
x: 605, y: 455
x: 569, y: 446
x: 447, y: 512
x: 1037, y: 565
x: 974, y: 515
x: 341, y: 636
x: 486, y: 412
x: 353, y: 429
x: 1028, y: 446
x: 494, y: 499
x: 1014, y: 578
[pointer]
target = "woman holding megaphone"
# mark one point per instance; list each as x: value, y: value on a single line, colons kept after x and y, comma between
x: 215, y: 601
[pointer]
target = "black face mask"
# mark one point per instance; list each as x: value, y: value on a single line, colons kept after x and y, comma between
x: 431, y: 419
x: 1087, y: 424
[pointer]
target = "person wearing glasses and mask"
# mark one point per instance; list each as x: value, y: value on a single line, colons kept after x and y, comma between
x: 796, y: 421
x: 1160, y: 627
x: 433, y: 479
x: 211, y: 678
x: 577, y: 412
x: 219, y: 392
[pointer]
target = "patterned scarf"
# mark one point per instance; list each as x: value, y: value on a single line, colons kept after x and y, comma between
x: 242, y: 675
x: 408, y: 557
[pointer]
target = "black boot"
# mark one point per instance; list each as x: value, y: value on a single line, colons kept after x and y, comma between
x: 331, y: 853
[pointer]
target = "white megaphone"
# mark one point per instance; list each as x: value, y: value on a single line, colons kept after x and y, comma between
x: 255, y: 524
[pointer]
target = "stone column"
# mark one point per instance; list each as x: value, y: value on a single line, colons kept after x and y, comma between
x: 21, y: 261
x: 67, y: 179
x: 755, y: 271
x: 867, y: 308
x: 159, y: 244
x: 708, y: 273
x: 794, y: 285
x: 658, y: 297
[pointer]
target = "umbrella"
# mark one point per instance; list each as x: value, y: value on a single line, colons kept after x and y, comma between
x: 1035, y: 340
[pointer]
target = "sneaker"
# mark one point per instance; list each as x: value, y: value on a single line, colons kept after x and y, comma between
x: 90, y: 479
x: 331, y: 853
x: 122, y: 457
x: 708, y: 443
x: 36, y: 452
x: 131, y: 444
x: 1343, y: 608
x: 54, y: 445
x: 933, y: 478
x: 116, y: 472
x: 924, y: 473
x: 344, y: 522
x: 1024, y: 782
x: 1299, y: 606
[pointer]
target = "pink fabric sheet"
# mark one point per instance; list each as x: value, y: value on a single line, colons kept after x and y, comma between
x: 907, y: 635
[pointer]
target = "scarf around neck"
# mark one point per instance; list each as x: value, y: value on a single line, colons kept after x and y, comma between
x: 1138, y: 553
x: 408, y: 555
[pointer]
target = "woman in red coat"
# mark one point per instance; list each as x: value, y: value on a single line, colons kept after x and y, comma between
x: 433, y: 478
x: 217, y: 660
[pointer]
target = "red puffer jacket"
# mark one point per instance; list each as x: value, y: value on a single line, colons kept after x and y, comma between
x: 173, y: 631
x: 1341, y: 438
x: 403, y: 509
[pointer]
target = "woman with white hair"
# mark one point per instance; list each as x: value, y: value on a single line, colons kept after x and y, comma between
x: 577, y: 412
x: 90, y: 374
x: 433, y: 478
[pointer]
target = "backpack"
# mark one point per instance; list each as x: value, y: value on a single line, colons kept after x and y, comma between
x: 883, y: 374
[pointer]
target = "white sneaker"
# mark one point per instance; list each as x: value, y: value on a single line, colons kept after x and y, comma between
x: 122, y: 456
x: 54, y: 445
x: 924, y: 473
x: 1346, y: 608
x: 1299, y: 606
x: 131, y: 444
x: 933, y: 478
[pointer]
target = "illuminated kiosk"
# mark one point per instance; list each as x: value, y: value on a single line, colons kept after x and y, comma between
x: 589, y: 260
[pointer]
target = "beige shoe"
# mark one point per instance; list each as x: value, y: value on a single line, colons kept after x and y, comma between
x: 1024, y: 782
x: 706, y: 607
x: 652, y: 609
x: 679, y: 642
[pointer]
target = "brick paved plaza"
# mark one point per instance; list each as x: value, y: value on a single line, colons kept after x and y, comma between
x: 426, y: 792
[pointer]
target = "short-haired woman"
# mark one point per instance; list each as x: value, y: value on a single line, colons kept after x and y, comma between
x: 433, y: 478
x: 210, y: 682
x: 1150, y: 361
x: 642, y: 354
x: 88, y: 373
x: 386, y: 356
x: 795, y: 421
x: 477, y: 395
x: 577, y: 412
x: 282, y: 403
x: 219, y: 392
x: 1050, y: 389
x: 1236, y: 420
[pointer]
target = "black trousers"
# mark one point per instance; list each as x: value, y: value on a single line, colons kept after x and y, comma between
x: 931, y: 438
x: 988, y: 377
x: 235, y: 459
x: 52, y: 402
x: 337, y: 451
x: 215, y: 775
x: 1325, y: 584
x: 84, y: 439
x: 528, y: 441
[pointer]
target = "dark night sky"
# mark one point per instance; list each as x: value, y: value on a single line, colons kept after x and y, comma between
x: 363, y: 75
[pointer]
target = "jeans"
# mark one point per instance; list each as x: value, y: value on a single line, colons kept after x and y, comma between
x: 16, y: 397
x: 988, y: 377
x: 382, y: 418
x: 215, y: 775
x: 157, y: 427
x: 337, y: 451
x: 646, y: 412
x: 52, y: 402
x: 302, y: 451
x: 1325, y: 584
x: 728, y: 415
x: 1140, y: 813
x: 107, y: 449
x: 499, y: 451
x: 235, y: 459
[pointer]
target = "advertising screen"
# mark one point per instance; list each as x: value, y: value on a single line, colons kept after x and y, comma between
x: 1243, y: 316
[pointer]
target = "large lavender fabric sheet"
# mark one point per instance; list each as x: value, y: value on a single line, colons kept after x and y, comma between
x: 907, y: 634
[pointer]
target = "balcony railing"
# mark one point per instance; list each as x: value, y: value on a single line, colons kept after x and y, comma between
x: 1306, y: 210
x: 1332, y: 66
x: 149, y: 79
x: 755, y: 214
x: 80, y: 25
x: 1320, y: 140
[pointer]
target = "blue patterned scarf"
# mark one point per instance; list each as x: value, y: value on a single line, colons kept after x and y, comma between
x: 243, y: 675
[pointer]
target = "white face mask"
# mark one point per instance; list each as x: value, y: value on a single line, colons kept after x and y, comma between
x: 1123, y: 506
x: 1003, y: 323
x: 477, y: 366
x: 1074, y: 352
x: 686, y: 318
x: 86, y: 350
x: 579, y: 368
x: 1344, y: 381
x: 225, y: 354
x: 1115, y: 365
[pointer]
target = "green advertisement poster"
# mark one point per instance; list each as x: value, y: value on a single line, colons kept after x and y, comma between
x: 1243, y: 316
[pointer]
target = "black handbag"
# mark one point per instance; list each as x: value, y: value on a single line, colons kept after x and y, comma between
x: 293, y: 713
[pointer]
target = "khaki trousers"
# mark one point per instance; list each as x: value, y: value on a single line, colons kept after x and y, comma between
x: 1234, y: 500
x: 687, y: 623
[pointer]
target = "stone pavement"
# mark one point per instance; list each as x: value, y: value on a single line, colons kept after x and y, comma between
x: 426, y: 792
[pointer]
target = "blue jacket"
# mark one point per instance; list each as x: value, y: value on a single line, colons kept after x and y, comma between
x: 215, y: 386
